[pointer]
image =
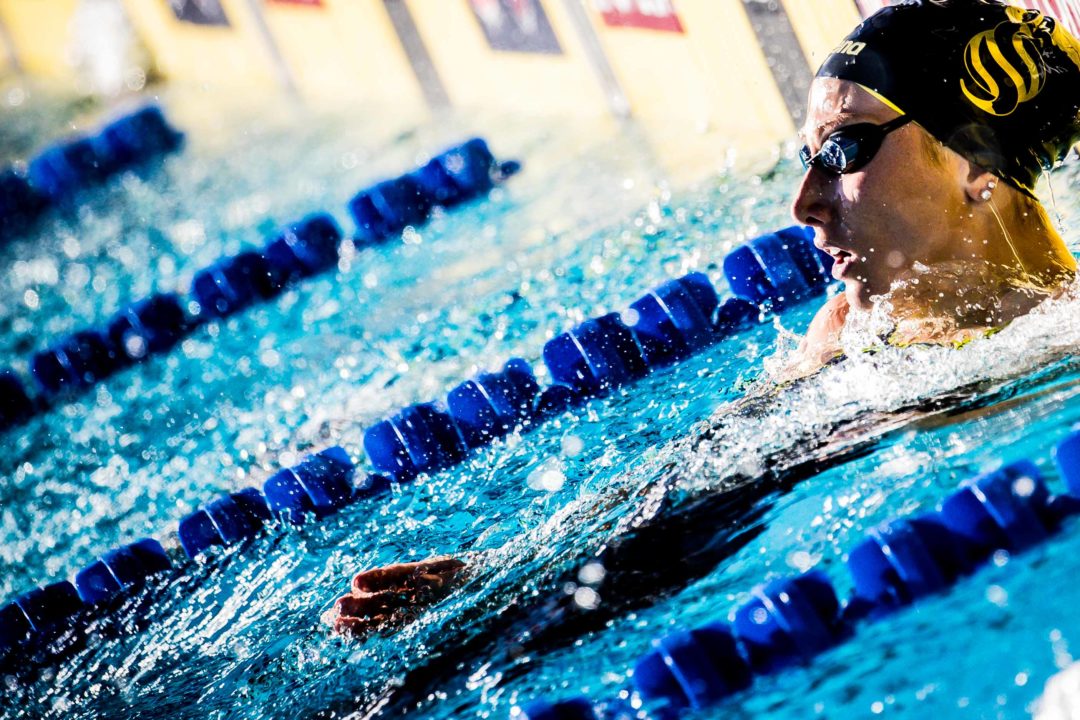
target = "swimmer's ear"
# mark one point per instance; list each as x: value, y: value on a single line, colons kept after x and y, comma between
x: 979, y: 184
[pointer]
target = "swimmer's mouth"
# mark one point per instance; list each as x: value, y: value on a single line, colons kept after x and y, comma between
x: 842, y: 259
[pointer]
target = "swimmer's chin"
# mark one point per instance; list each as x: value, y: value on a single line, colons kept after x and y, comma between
x: 858, y: 295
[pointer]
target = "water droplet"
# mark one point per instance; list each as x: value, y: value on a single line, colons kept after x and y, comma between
x: 592, y: 573
x: 572, y: 445
x: 586, y: 598
x: 135, y: 345
x: 1023, y: 486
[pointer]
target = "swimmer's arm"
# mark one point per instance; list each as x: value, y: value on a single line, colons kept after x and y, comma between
x: 387, y: 596
x: 668, y: 543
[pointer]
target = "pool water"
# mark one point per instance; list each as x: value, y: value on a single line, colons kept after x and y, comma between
x: 585, y: 229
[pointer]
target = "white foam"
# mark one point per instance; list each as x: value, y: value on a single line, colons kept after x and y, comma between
x: 874, y: 381
x: 1061, y: 697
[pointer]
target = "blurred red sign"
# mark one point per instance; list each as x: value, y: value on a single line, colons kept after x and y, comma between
x: 1067, y: 12
x: 649, y: 14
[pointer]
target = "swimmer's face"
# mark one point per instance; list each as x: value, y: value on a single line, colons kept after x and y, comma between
x: 902, y: 207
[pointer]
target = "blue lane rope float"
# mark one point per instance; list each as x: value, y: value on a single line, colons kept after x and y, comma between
x: 792, y: 620
x: 20, y: 203
x: 590, y: 360
x: 666, y: 325
x: 447, y: 180
x: 123, y: 568
x: 226, y: 521
x: 38, y: 615
x: 56, y: 174
x: 780, y: 269
x: 301, y: 250
x: 15, y: 402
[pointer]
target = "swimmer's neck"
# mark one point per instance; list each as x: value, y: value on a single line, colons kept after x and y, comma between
x: 992, y: 249
x: 1005, y: 258
x: 1032, y: 238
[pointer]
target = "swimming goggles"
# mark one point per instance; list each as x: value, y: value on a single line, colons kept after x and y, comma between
x: 851, y: 147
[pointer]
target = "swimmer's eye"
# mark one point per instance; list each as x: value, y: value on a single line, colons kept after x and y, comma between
x: 851, y: 147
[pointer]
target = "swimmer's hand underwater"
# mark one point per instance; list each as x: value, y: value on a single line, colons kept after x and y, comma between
x: 391, y: 595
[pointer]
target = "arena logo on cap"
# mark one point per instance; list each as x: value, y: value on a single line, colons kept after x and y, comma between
x: 849, y: 47
x: 1005, y: 64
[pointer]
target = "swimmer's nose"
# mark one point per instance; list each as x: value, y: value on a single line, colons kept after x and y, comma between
x: 811, y: 205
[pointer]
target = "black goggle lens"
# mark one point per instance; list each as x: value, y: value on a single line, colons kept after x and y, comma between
x: 850, y: 148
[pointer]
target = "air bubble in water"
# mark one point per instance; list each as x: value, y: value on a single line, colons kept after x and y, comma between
x: 548, y: 477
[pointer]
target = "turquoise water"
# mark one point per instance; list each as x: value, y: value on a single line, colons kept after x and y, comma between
x: 584, y: 230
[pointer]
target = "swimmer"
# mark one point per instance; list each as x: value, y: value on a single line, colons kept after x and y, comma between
x: 927, y: 130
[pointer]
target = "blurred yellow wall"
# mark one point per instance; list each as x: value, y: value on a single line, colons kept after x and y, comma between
x: 205, y: 55
x: 701, y: 92
x: 820, y: 25
x: 697, y: 88
x: 345, y: 51
x: 6, y: 66
x: 476, y: 76
x: 39, y: 32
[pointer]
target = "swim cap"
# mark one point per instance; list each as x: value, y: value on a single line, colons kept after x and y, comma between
x: 1000, y: 85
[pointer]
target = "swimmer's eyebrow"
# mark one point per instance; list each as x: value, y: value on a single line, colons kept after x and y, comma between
x: 826, y: 128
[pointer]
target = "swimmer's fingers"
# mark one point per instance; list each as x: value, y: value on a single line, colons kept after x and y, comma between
x: 403, y: 575
x: 371, y: 605
x: 428, y: 581
x: 437, y: 573
x: 409, y: 587
x: 428, y: 587
x: 356, y: 627
x: 357, y: 616
x: 441, y: 565
x: 383, y: 578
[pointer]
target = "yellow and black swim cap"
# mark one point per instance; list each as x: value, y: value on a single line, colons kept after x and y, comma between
x: 998, y: 84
